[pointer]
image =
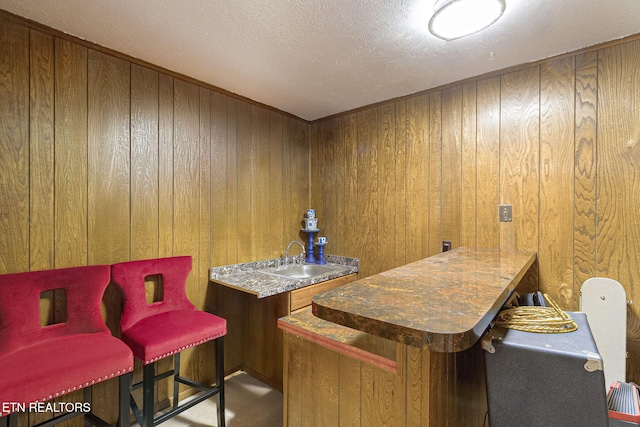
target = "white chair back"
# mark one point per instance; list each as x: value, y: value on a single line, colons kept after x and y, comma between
x: 604, y: 302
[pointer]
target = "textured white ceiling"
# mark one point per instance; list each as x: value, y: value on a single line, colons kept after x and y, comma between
x: 314, y: 58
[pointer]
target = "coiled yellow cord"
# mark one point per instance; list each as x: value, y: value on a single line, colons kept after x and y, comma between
x: 543, y: 320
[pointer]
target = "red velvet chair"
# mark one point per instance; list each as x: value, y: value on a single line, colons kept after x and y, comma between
x: 165, y: 327
x: 40, y: 363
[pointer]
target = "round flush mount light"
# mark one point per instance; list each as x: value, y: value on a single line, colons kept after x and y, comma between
x: 453, y: 19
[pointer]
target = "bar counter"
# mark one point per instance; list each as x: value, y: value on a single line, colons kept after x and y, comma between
x: 443, y: 303
x: 400, y: 348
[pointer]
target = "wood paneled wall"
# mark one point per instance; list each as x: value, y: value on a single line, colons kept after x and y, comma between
x: 558, y: 140
x: 104, y: 159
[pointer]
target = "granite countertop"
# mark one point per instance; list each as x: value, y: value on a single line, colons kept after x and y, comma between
x: 444, y: 302
x: 247, y: 277
x: 362, y: 346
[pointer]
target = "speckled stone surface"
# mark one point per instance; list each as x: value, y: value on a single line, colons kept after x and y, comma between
x: 253, y: 277
x: 443, y: 303
x: 362, y: 346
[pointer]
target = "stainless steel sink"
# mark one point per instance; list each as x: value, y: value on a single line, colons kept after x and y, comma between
x: 304, y: 271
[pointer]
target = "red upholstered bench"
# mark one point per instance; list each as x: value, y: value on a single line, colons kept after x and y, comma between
x: 165, y: 327
x: 40, y: 363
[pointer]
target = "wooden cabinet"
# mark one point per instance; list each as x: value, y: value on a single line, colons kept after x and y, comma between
x: 301, y: 298
x: 254, y: 343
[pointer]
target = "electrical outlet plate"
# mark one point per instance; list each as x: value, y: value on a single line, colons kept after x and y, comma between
x: 446, y: 245
x: 504, y: 213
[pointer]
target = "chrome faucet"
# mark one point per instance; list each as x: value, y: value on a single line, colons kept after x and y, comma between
x: 286, y: 253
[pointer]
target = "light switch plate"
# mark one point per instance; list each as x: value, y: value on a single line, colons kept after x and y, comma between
x: 504, y: 213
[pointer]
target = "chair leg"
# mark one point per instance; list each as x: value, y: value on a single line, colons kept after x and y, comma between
x: 176, y: 380
x: 124, y: 393
x: 219, y: 349
x: 148, y: 382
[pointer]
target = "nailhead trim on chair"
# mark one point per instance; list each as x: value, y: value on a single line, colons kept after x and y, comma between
x: 178, y: 350
x: 87, y: 384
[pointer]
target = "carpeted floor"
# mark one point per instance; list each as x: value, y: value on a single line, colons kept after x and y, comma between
x: 249, y: 403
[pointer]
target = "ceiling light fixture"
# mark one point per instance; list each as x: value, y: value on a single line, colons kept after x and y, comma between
x: 458, y: 18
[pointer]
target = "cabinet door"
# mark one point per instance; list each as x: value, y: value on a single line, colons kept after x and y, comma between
x: 301, y: 298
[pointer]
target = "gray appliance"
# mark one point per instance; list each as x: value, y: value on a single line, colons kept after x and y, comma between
x: 545, y: 380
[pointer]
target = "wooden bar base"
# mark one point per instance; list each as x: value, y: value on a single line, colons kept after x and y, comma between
x: 325, y: 387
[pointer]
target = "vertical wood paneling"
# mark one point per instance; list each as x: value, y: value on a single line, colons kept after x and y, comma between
x: 350, y: 396
x: 321, y: 166
x: 289, y: 186
x: 342, y: 212
x: 14, y: 146
x: 417, y: 178
x: 585, y: 170
x: 41, y: 151
x: 71, y: 156
x: 386, y: 221
x: 319, y: 162
x: 365, y: 217
x: 144, y: 163
x: 165, y: 165
x: 555, y: 252
x: 109, y: 159
x: 243, y: 152
x: 275, y: 207
x: 469, y: 391
x: 186, y: 184
x: 295, y: 179
x: 618, y: 160
x: 440, y: 408
x: 316, y: 136
x: 434, y: 193
x: 488, y: 161
x: 426, y: 412
x: 384, y: 393
x: 232, y: 183
x: 204, y: 166
x: 330, y: 176
x: 259, y: 164
x: 220, y: 177
x: 469, y: 156
x: 299, y: 160
x: 350, y: 233
x: 321, y: 386
x: 292, y: 393
x: 519, y: 155
x: 451, y: 167
x: 400, y: 189
x: 415, y: 415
